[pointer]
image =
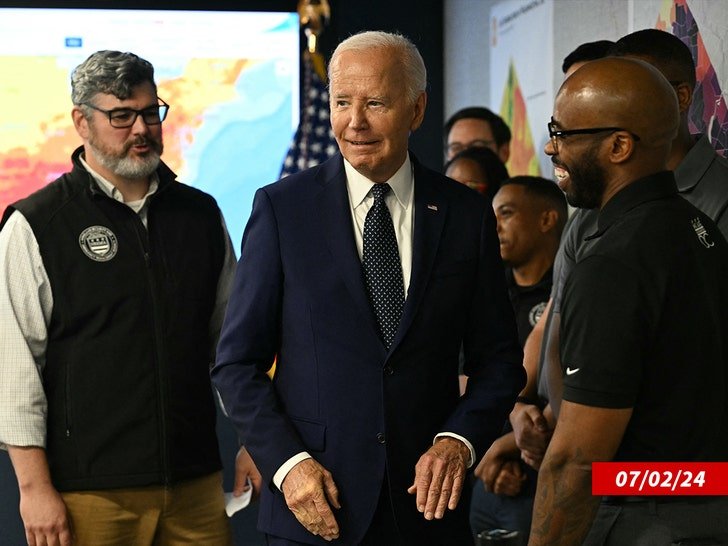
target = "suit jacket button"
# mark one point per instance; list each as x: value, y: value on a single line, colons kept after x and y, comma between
x: 380, y: 438
x: 388, y: 370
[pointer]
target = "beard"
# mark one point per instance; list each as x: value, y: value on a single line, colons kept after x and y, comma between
x: 124, y: 165
x: 588, y: 180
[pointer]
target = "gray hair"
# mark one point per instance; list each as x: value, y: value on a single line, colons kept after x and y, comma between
x: 413, y: 67
x: 111, y: 72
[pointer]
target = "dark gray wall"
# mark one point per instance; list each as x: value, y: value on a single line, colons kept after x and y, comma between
x: 421, y: 21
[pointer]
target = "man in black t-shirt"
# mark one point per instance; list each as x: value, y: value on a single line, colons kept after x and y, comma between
x: 644, y: 321
x: 531, y: 213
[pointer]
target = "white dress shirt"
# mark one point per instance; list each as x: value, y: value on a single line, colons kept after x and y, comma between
x: 26, y: 305
x: 400, y: 202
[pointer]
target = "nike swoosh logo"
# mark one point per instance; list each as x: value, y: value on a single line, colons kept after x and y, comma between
x: 569, y: 371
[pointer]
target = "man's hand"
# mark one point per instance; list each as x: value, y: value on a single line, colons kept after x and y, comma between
x: 532, y: 433
x: 44, y: 516
x: 564, y: 507
x: 439, y: 476
x: 310, y: 491
x: 510, y: 479
x: 44, y: 513
x: 500, y: 451
x: 245, y: 468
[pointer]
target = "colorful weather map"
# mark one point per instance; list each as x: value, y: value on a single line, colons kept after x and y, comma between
x: 708, y: 113
x: 233, y: 110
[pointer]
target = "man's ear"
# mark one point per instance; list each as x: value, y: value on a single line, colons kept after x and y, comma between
x: 420, y: 105
x: 548, y: 220
x: 684, y: 96
x: 621, y: 147
x: 80, y: 122
x: 504, y: 151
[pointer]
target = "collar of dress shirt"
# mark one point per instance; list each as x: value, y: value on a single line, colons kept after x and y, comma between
x: 109, y: 189
x: 402, y: 184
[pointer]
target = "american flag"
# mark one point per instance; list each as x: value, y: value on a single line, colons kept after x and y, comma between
x: 314, y: 140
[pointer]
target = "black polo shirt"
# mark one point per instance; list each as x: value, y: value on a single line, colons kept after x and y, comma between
x: 645, y: 324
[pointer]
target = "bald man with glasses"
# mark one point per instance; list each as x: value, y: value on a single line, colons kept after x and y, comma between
x: 636, y: 374
x: 702, y: 178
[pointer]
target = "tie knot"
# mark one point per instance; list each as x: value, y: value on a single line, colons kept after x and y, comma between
x: 379, y: 191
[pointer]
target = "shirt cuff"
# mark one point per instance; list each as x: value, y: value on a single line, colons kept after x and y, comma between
x: 471, y: 461
x: 286, y: 467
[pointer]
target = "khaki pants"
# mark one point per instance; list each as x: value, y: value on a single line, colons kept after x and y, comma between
x: 191, y: 512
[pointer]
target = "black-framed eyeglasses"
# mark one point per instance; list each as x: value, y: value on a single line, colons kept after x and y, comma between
x: 555, y: 134
x: 122, y: 118
x: 455, y: 148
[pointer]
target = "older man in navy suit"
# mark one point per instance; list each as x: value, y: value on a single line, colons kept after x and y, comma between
x: 365, y: 276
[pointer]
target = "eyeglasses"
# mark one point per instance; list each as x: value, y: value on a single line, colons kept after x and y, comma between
x: 455, y: 148
x: 122, y: 118
x: 555, y: 134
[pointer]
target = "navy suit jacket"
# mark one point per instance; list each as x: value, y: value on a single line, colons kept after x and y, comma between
x: 337, y: 393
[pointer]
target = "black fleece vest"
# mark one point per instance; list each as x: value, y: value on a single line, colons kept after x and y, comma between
x: 127, y: 363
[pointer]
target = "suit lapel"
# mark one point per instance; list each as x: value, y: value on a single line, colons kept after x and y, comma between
x: 338, y: 232
x: 430, y: 211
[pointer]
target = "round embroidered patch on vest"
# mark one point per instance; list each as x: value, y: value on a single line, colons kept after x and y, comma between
x: 98, y: 243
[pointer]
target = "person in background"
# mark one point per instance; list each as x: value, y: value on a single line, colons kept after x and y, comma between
x: 113, y: 285
x: 477, y: 126
x: 479, y: 169
x: 531, y: 213
x: 588, y: 51
x: 701, y: 173
x: 628, y: 353
x: 364, y: 276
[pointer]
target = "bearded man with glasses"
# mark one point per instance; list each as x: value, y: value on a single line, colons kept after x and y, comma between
x: 113, y: 284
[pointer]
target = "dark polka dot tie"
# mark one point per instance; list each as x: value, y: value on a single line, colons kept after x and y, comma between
x: 382, y: 267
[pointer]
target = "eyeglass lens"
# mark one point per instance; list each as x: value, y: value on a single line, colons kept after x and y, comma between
x: 125, y: 117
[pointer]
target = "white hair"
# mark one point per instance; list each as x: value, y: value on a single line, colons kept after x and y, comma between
x: 413, y: 67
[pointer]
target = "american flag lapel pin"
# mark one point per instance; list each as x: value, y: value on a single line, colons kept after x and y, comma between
x: 432, y: 207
